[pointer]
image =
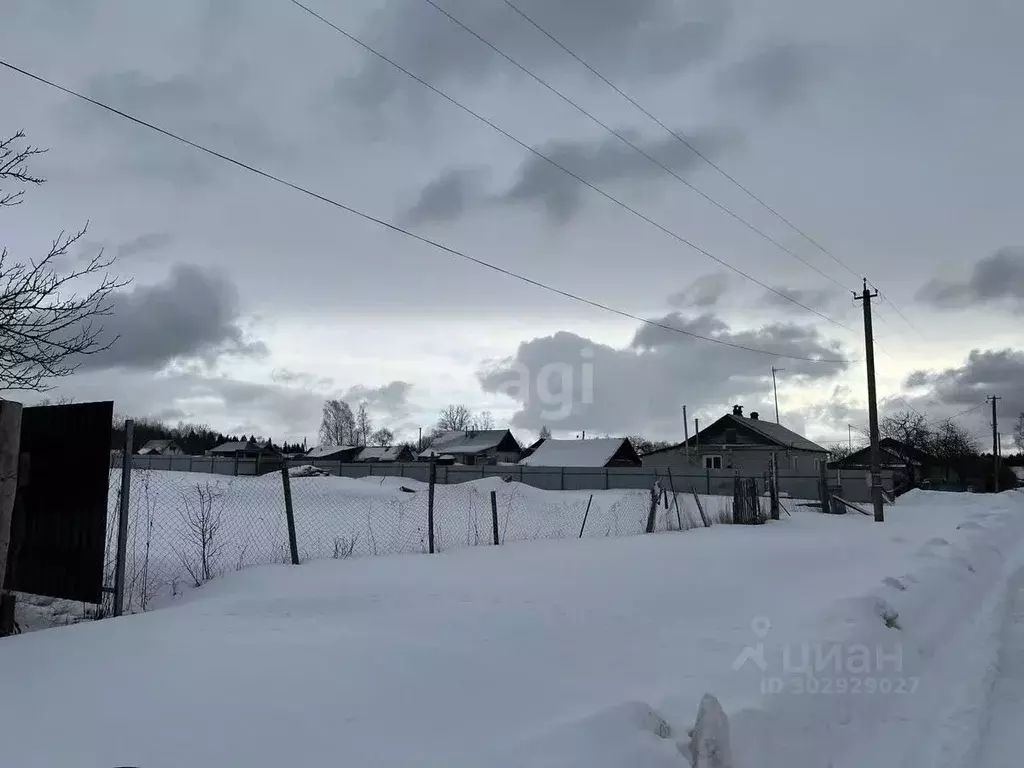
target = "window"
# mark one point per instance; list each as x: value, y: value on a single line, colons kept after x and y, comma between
x: 794, y: 462
x: 713, y: 462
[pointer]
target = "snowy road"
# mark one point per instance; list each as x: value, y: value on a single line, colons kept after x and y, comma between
x: 1003, y: 743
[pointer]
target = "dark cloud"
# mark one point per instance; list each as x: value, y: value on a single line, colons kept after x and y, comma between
x: 540, y: 183
x: 447, y: 197
x: 391, y: 399
x: 566, y: 381
x: 144, y: 243
x: 194, y: 313
x: 961, y: 391
x: 602, y: 162
x: 703, y: 293
x: 998, y: 278
x: 774, y: 77
x: 639, y: 39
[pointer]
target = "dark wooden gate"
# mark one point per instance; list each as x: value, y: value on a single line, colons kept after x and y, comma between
x: 58, y: 538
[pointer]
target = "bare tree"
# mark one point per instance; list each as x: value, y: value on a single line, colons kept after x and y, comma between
x: 483, y: 420
x: 382, y: 437
x: 545, y: 433
x: 840, y: 451
x: 454, y: 418
x: 48, y: 318
x: 337, y: 424
x: 907, y: 427
x: 201, y: 512
x: 364, y: 425
x: 1018, y: 433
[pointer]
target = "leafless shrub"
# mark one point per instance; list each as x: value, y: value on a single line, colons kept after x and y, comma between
x: 343, y: 547
x: 201, y: 513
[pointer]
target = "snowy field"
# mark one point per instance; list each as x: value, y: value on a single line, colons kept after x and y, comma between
x: 564, y: 653
x: 186, y: 528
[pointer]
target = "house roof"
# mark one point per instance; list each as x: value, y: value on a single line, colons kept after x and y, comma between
x: 380, y: 453
x: 862, y: 458
x: 463, y: 442
x: 323, y: 451
x: 156, y: 446
x: 776, y: 433
x: 596, y: 452
x: 233, y: 447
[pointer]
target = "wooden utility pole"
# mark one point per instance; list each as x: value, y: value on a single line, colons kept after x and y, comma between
x: 995, y: 443
x: 775, y: 387
x: 876, y: 452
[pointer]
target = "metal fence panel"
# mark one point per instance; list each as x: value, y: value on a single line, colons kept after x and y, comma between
x: 61, y: 551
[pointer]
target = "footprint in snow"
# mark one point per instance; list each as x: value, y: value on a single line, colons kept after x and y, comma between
x: 970, y: 525
x: 937, y: 542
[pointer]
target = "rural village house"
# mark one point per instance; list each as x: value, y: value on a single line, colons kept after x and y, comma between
x: 910, y: 466
x: 471, y: 447
x: 239, y: 450
x: 744, y: 444
x: 385, y: 455
x: 161, y: 448
x: 596, y: 452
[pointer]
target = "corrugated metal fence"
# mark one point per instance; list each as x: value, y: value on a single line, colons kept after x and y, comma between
x: 713, y: 482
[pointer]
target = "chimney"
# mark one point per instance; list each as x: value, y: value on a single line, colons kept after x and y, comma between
x: 737, y: 410
x: 753, y: 415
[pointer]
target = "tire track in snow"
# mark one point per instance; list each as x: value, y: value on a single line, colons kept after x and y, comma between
x: 1003, y: 744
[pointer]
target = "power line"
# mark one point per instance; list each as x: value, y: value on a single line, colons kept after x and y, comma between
x: 394, y: 227
x: 688, y: 143
x: 631, y: 144
x: 577, y: 177
x: 683, y: 139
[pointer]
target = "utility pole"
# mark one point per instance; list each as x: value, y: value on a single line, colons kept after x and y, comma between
x: 849, y: 431
x: 686, y: 436
x: 876, y: 453
x: 995, y: 443
x: 775, y: 387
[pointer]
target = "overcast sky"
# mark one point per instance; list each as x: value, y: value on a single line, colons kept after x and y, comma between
x: 889, y: 133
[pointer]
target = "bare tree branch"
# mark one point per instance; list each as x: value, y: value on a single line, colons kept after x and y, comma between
x: 48, y: 318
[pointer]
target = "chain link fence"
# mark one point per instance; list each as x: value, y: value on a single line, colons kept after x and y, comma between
x: 185, y: 529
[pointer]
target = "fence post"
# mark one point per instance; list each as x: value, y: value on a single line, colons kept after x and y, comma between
x: 586, y: 514
x: 675, y: 499
x: 707, y: 479
x: 430, y: 504
x: 773, y: 490
x: 655, y: 497
x: 494, y: 515
x: 606, y: 483
x: 289, y: 513
x: 563, y: 478
x: 122, y: 518
x: 823, y: 488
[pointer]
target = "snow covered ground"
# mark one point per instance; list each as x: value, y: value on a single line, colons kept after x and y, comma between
x: 828, y: 640
x: 185, y: 528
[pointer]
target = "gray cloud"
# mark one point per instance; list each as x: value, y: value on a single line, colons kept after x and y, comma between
x: 144, y: 243
x: 985, y: 372
x: 192, y: 314
x: 998, y: 278
x: 638, y: 39
x: 647, y: 382
x: 447, y: 197
x: 602, y: 162
x: 391, y: 399
x: 704, y: 292
x: 819, y: 298
x: 301, y: 379
x: 774, y: 77
x: 540, y: 183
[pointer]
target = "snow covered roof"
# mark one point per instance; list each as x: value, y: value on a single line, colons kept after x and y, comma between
x: 463, y: 442
x: 596, y: 452
x: 380, y: 453
x: 233, y: 447
x: 156, y: 446
x: 325, y: 451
